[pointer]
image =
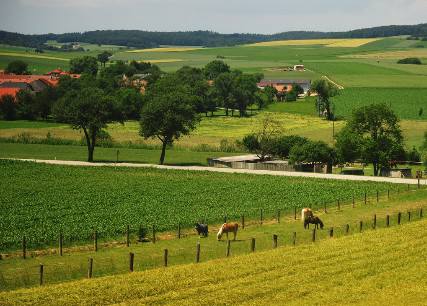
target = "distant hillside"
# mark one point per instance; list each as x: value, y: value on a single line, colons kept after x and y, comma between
x: 146, y: 39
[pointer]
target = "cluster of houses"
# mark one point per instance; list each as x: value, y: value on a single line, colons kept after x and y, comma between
x: 285, y: 85
x: 11, y: 84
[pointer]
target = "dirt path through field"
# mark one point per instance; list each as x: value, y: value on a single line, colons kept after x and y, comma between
x: 228, y: 170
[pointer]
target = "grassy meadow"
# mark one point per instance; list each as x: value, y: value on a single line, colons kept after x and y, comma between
x: 360, y: 269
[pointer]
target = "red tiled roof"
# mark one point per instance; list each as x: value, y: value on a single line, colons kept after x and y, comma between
x: 9, y: 91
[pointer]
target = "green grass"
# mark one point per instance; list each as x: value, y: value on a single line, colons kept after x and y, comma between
x: 406, y: 102
x: 357, y: 269
x: 76, y: 200
x: 69, y: 152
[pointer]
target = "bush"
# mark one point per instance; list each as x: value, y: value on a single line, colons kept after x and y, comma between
x: 414, y: 155
x: 410, y: 60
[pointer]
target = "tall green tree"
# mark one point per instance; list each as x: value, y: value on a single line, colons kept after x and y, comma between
x: 213, y: 69
x: 90, y: 110
x: 17, y: 67
x: 245, y: 92
x: 223, y: 90
x: 375, y: 135
x: 325, y: 91
x: 85, y: 64
x: 168, y: 112
x: 8, y: 107
x: 104, y: 57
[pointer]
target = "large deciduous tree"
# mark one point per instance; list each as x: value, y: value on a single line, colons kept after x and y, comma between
x: 213, y: 69
x: 90, y: 110
x: 85, y: 64
x: 17, y: 67
x: 325, y: 91
x: 168, y: 112
x: 373, y: 134
x: 312, y: 152
x: 104, y: 57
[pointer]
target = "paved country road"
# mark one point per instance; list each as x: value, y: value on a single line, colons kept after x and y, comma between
x: 228, y: 170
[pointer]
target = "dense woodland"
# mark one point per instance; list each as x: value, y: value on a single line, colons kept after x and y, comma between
x: 146, y: 39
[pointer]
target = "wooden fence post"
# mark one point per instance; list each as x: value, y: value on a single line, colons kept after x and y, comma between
x: 260, y: 216
x: 295, y: 212
x: 378, y: 196
x: 331, y: 232
x: 95, y: 241
x: 419, y: 183
x: 127, y: 236
x: 313, y: 237
x: 387, y: 220
x: 353, y: 201
x: 347, y: 228
x: 365, y: 197
x: 131, y: 257
x: 274, y: 241
x: 421, y: 212
x: 408, y: 187
x: 360, y: 226
x: 41, y: 274
x: 339, y: 204
x: 253, y: 245
x: 325, y: 208
x: 278, y: 216
x: 374, y: 224
x: 179, y: 230
x: 388, y: 194
x: 294, y: 240
x: 409, y: 216
x: 154, y: 234
x: 399, y: 216
x: 24, y: 247
x: 225, y: 218
x: 165, y: 257
x: 228, y: 248
x: 243, y: 221
x: 61, y: 242
x: 198, y: 252
x: 90, y: 268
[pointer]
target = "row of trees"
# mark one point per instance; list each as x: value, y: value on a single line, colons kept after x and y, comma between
x: 372, y: 135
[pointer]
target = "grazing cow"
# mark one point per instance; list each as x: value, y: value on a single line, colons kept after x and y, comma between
x: 313, y: 220
x: 202, y: 229
x: 227, y: 228
x: 306, y: 212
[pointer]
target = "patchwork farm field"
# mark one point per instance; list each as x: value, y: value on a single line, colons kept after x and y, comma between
x: 357, y: 269
x: 39, y: 201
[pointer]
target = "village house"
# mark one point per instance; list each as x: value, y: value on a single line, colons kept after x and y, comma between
x: 285, y: 85
x: 11, y: 84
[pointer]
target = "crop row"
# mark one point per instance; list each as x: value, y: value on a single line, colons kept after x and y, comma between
x: 39, y: 201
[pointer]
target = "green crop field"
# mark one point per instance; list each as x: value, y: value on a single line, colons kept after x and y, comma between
x: 358, y: 269
x: 406, y: 102
x: 40, y: 200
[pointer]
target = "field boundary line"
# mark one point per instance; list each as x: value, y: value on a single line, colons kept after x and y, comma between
x: 229, y: 170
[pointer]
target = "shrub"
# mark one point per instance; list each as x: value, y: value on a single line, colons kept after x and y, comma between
x: 413, y: 155
x: 410, y: 60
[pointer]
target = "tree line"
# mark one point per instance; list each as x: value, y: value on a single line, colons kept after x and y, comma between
x: 148, y: 39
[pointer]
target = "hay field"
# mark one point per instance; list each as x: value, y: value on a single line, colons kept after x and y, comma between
x: 30, y: 55
x: 342, y: 43
x: 165, y: 49
x: 390, y: 54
